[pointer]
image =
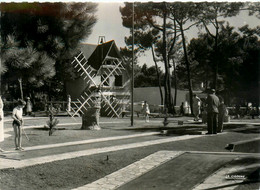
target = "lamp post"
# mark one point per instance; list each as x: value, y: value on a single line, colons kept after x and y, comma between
x: 132, y: 81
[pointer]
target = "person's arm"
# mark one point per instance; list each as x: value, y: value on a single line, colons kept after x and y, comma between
x: 15, y: 117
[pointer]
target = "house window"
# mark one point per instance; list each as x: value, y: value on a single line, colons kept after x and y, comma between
x: 118, y: 80
x: 105, y: 80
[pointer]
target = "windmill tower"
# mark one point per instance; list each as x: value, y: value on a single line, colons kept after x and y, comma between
x: 105, y: 78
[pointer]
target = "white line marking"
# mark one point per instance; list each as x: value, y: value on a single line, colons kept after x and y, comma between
x: 89, y: 141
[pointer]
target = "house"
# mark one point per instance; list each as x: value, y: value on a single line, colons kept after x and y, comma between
x: 100, y: 67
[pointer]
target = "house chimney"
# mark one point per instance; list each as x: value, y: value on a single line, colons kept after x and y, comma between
x: 101, y: 39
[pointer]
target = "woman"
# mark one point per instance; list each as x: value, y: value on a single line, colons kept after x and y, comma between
x: 1, y: 122
x: 17, y: 124
x: 28, y: 107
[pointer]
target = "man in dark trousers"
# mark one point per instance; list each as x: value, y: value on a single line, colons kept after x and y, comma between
x: 213, y: 103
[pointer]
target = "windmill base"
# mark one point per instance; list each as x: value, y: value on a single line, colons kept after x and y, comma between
x: 90, y: 119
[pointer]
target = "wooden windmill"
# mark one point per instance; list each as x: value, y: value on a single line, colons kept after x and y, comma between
x: 105, y: 78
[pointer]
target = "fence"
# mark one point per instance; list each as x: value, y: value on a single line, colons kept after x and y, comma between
x: 38, y: 106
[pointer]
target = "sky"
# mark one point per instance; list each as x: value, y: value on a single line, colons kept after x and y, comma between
x: 109, y: 24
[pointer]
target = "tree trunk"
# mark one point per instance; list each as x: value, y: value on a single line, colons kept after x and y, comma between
x: 158, y: 76
x: 90, y: 117
x: 167, y: 98
x: 187, y: 64
x: 175, y: 83
x: 215, y: 80
x: 21, y: 87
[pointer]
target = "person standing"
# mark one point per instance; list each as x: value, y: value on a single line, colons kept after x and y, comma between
x: 147, y: 111
x: 68, y: 103
x: 222, y: 113
x: 28, y: 107
x: 1, y: 122
x: 17, y: 115
x: 182, y: 109
x: 196, y: 107
x: 213, y: 103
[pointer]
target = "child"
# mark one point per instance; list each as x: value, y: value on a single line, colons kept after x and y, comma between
x: 17, y: 124
x: 147, y: 111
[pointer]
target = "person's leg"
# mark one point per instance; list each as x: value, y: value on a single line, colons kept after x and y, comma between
x: 194, y: 113
x: 220, y: 123
x: 209, y: 123
x: 19, y: 129
x: 198, y: 113
x: 215, y: 123
x: 16, y: 137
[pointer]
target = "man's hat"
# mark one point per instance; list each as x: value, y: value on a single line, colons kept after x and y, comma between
x: 212, y: 90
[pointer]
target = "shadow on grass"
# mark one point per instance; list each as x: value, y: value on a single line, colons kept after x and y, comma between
x: 231, y: 185
x: 169, y: 131
x: 249, y: 174
x: 235, y: 126
x: 251, y: 171
x: 47, y: 129
x: 242, y: 128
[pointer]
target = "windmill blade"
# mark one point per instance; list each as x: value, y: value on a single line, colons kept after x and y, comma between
x: 86, y: 72
x: 110, y: 73
x: 108, y: 103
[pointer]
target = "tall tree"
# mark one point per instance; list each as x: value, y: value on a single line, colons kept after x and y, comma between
x: 239, y: 59
x: 146, y: 40
x: 152, y: 17
x: 51, y: 30
x: 181, y: 13
x: 211, y: 16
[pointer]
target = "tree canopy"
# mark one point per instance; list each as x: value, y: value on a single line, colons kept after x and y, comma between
x: 239, y: 54
x: 39, y: 39
x: 215, y: 58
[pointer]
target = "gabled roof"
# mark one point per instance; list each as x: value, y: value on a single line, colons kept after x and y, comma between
x: 87, y: 49
x: 95, y: 54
